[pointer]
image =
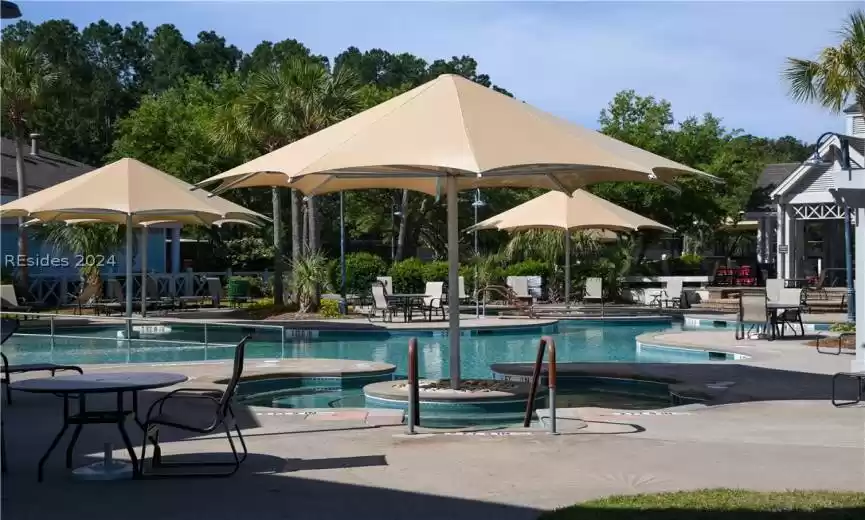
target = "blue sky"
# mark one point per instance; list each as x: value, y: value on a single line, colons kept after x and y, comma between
x: 566, y: 58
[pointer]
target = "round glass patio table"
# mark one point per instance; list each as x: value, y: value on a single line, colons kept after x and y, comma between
x: 81, y: 386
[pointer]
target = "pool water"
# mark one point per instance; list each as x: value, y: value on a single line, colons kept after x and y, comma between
x: 575, y: 341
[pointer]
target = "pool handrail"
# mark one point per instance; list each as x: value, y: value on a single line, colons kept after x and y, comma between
x: 545, y: 343
x: 128, y: 320
x: 413, y: 416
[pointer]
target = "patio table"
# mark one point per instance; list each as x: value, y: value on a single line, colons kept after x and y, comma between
x: 97, y: 383
x: 406, y: 301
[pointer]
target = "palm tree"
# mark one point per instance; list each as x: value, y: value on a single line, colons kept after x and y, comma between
x: 25, y: 75
x: 86, y: 241
x: 309, y: 276
x: 837, y: 77
x: 280, y: 105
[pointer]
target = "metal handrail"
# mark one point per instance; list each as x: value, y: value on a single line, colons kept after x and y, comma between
x: 413, y: 418
x: 127, y: 320
x: 545, y: 343
x: 509, y: 295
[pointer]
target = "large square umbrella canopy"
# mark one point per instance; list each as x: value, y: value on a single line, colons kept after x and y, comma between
x: 448, y: 135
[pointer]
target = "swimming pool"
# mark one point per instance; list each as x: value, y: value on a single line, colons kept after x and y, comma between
x: 580, y: 341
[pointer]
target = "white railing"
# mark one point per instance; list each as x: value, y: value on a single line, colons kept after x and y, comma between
x: 131, y: 323
x: 50, y: 289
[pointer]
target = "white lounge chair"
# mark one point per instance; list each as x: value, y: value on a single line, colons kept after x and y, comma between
x: 774, y: 286
x: 671, y: 295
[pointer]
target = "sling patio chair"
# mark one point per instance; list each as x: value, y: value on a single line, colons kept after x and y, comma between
x: 789, y: 317
x: 594, y: 290
x: 221, y: 418
x: 8, y: 327
x: 433, y: 302
x: 753, y: 310
x: 381, y: 304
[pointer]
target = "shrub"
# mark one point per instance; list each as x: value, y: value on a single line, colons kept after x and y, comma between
x: 490, y: 271
x: 329, y: 309
x: 691, y: 260
x: 408, y: 276
x: 842, y: 327
x: 528, y: 268
x: 435, y: 271
x: 361, y: 270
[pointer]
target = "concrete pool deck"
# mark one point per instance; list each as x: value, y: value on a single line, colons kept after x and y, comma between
x: 357, y: 463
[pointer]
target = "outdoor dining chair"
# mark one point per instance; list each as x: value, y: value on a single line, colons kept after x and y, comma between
x: 8, y: 327
x: 222, y: 418
x: 774, y: 286
x: 387, y: 281
x: 380, y: 303
x: 789, y: 317
x: 670, y: 295
x: 754, y: 312
x: 433, y: 301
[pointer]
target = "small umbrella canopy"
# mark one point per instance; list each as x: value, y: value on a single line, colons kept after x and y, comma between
x: 451, y: 126
x: 122, y: 188
x: 580, y: 211
x: 126, y: 192
x: 448, y: 135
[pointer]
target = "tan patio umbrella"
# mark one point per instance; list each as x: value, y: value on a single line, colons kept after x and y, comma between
x: 581, y: 211
x: 444, y: 136
x: 127, y: 192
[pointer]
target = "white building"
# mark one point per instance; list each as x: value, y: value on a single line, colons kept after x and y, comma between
x: 804, y: 234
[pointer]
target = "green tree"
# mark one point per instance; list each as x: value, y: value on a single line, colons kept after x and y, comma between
x: 25, y: 77
x: 837, y: 77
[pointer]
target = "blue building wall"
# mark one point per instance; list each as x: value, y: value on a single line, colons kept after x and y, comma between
x: 49, y: 261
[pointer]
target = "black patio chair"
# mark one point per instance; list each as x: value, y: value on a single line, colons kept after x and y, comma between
x: 8, y: 327
x: 223, y: 417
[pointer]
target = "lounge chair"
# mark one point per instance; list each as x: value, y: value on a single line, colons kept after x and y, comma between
x: 594, y: 291
x: 7, y: 328
x: 11, y: 302
x: 462, y: 290
x: 520, y: 287
x: 433, y: 301
x: 380, y: 304
x: 670, y: 295
x: 387, y: 281
x: 223, y: 418
x: 88, y: 298
x: 753, y: 311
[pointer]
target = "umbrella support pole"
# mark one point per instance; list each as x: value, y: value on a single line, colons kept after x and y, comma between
x: 567, y: 270
x: 143, y: 271
x: 453, y: 280
x: 129, y: 279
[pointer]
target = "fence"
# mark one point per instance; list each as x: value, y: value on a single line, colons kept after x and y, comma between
x: 49, y: 289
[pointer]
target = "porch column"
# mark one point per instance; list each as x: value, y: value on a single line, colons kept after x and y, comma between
x: 859, y: 262
x: 762, y: 251
x: 175, y: 251
x: 780, y: 257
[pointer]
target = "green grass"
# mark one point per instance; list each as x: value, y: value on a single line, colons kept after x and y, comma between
x: 719, y: 504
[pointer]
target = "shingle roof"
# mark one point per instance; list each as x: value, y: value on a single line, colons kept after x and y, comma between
x: 773, y: 174
x: 43, y: 170
x: 852, y: 109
